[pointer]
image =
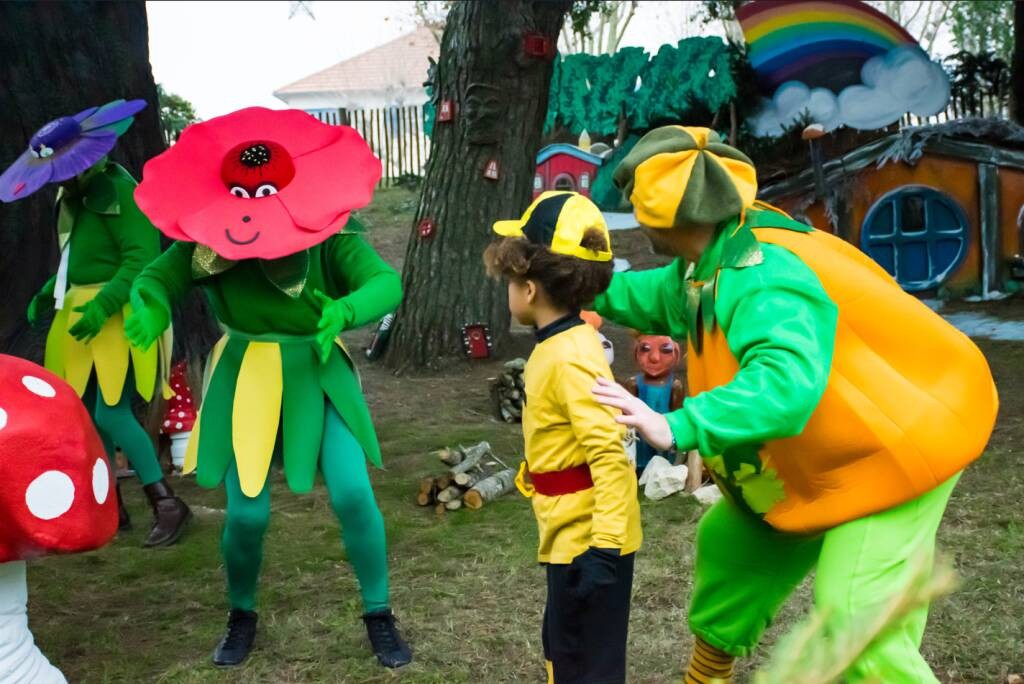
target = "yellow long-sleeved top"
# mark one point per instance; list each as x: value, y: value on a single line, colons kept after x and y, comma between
x: 564, y: 426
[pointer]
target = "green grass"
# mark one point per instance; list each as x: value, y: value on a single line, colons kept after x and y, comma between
x: 467, y: 589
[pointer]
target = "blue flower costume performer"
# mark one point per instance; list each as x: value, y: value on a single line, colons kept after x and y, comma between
x: 259, y: 202
x: 105, y: 242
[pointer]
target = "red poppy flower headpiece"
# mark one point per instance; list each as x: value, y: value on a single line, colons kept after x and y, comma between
x: 258, y: 183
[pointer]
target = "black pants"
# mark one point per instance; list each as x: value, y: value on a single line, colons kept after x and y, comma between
x: 586, y: 640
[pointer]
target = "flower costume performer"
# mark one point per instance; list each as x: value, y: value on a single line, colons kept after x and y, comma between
x: 105, y: 241
x: 835, y: 411
x: 56, y: 496
x: 259, y: 203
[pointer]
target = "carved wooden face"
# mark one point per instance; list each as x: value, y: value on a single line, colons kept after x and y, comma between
x: 657, y: 355
x: 484, y: 106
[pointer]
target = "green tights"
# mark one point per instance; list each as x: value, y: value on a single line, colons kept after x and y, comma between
x: 117, y: 425
x: 343, y: 466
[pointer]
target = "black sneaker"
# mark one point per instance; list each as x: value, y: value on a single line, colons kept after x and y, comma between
x: 387, y: 644
x: 234, y: 648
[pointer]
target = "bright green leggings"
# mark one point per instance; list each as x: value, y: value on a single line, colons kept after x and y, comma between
x: 117, y: 425
x: 745, y: 571
x: 343, y: 466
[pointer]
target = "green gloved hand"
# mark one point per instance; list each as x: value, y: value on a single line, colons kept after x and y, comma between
x: 335, y: 317
x: 41, y: 305
x: 91, y: 322
x: 146, y: 322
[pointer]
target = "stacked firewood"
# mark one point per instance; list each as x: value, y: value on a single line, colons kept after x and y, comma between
x: 474, y: 477
x: 508, y: 392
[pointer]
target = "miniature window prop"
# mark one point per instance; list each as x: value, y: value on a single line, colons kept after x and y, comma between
x: 476, y: 341
x: 917, y: 234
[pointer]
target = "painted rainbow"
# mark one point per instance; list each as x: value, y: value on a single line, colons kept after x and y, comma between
x: 822, y: 43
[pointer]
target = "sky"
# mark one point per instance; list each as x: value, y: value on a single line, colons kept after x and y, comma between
x: 223, y: 56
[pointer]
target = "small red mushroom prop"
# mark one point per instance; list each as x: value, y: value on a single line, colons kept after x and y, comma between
x: 56, y: 496
x: 180, y: 416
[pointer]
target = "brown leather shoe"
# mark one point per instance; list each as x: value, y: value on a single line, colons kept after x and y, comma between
x: 124, y: 521
x: 170, y: 513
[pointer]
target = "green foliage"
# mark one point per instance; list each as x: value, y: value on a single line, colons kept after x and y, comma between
x: 690, y: 79
x: 981, y: 27
x: 589, y: 92
x: 977, y: 81
x: 175, y: 113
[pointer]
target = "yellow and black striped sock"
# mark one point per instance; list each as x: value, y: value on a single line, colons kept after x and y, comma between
x: 708, y: 664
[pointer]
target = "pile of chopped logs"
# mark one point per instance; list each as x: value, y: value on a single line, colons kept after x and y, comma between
x: 475, y: 476
x: 508, y: 391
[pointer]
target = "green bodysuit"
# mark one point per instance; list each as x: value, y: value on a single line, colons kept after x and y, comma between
x: 270, y: 392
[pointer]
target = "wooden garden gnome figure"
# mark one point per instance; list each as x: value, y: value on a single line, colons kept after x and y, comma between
x: 658, y: 357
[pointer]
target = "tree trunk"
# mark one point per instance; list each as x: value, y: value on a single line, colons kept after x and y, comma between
x: 501, y: 98
x: 56, y: 59
x: 1017, y: 73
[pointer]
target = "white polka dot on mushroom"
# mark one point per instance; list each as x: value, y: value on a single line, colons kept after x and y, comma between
x: 50, y: 495
x: 38, y: 386
x: 100, y: 481
x: 179, y: 425
x: 3, y: 419
x: 181, y: 414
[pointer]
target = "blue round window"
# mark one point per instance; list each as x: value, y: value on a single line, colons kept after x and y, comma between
x: 917, y: 234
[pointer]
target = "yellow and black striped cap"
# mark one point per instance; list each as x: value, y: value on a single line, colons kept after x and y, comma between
x: 559, y: 220
x: 682, y: 174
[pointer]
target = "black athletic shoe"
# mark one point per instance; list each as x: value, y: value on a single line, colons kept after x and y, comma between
x: 234, y: 648
x: 387, y: 644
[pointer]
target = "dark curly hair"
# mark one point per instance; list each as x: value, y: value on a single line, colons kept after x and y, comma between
x: 567, y: 281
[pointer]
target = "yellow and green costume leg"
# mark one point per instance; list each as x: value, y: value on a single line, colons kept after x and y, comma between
x: 264, y: 385
x: 745, y: 570
x: 98, y: 371
x: 864, y: 563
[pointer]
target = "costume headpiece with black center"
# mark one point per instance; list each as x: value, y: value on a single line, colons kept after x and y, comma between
x: 682, y: 174
x: 558, y: 220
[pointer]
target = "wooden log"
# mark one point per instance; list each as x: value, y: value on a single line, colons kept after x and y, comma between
x: 490, y: 489
x: 695, y: 471
x: 450, y: 457
x: 444, y: 481
x: 453, y: 505
x: 472, y: 456
x: 468, y: 480
x: 440, y: 510
x: 428, y: 492
x: 449, y: 494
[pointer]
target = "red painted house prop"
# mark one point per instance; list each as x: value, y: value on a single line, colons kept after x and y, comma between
x: 565, y: 167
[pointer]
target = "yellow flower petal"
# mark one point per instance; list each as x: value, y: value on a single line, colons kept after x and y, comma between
x: 256, y: 414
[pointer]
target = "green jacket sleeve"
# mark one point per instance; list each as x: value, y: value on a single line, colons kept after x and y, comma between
x: 136, y: 239
x: 168, y: 278
x: 780, y: 325
x: 652, y: 302
x: 371, y: 288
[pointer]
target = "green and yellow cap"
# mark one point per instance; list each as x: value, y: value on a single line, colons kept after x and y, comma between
x: 559, y: 220
x: 683, y: 174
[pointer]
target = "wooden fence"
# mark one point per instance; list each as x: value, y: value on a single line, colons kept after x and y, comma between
x: 986, y: 106
x: 395, y: 134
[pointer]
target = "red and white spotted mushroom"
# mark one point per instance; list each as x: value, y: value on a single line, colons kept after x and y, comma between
x: 180, y: 416
x: 56, y: 496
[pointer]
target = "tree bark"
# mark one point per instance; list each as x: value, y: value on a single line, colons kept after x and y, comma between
x: 500, y: 97
x: 56, y: 59
x: 1017, y: 72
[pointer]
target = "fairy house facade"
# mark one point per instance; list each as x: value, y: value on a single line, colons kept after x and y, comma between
x: 940, y: 207
x: 565, y: 167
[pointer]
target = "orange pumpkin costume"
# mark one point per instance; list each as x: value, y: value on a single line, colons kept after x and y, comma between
x: 825, y: 401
